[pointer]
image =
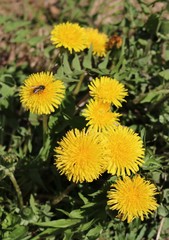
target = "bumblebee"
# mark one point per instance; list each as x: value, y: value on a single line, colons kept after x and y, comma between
x: 114, y: 41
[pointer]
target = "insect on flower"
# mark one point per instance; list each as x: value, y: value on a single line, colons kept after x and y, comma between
x: 38, y: 89
x: 114, y: 41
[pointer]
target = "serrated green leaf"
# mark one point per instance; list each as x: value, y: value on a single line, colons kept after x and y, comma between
x: 29, y: 145
x: 131, y: 235
x: 8, y: 79
x: 166, y: 194
x: 61, y: 223
x: 145, y: 8
x: 150, y: 96
x: 23, y: 32
x: 66, y: 65
x: 162, y: 211
x: 44, y: 152
x: 21, y: 36
x: 152, y: 23
x: 13, y: 25
x: 88, y: 205
x: 97, y: 71
x: 60, y: 73
x: 152, y: 163
x: 48, y: 50
x: 4, y: 103
x: 76, y: 63
x: 18, y: 233
x: 18, y: 39
x: 143, y: 42
x: 48, y: 231
x: 68, y: 234
x: 52, y: 121
x: 164, y: 27
x: 141, y: 233
x: 87, y: 62
x: 151, y: 233
x: 77, y: 73
x: 33, y: 118
x: 76, y: 214
x: 166, y: 55
x: 85, y: 226
x: 33, y: 205
x: 94, y: 232
x: 83, y: 198
x: 63, y: 211
x: 166, y: 224
x: 34, y: 40
x: 156, y: 177
x: 165, y: 74
x: 69, y: 79
x: 6, y: 90
x: 103, y: 65
x: 4, y: 19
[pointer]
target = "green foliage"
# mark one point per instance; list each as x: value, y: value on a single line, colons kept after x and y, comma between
x: 36, y: 202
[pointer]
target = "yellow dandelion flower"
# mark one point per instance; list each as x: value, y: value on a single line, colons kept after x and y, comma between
x: 97, y: 40
x: 41, y: 93
x: 108, y: 90
x: 125, y: 151
x: 133, y: 198
x: 99, y: 115
x: 80, y: 156
x: 70, y: 36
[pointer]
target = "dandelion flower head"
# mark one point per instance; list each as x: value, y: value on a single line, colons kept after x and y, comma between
x: 70, y: 36
x: 125, y: 151
x: 80, y: 156
x: 97, y: 40
x: 108, y: 90
x: 41, y: 93
x: 99, y: 115
x: 132, y: 198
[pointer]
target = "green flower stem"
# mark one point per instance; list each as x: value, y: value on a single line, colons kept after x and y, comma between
x: 45, y: 127
x: 64, y: 194
x: 16, y: 186
x: 56, y: 199
x: 78, y: 86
